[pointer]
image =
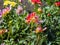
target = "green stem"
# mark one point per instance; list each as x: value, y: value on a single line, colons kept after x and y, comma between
x: 38, y: 39
x: 10, y: 32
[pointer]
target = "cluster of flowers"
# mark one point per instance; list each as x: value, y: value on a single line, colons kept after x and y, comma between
x: 32, y: 17
x: 10, y: 3
x: 4, y: 11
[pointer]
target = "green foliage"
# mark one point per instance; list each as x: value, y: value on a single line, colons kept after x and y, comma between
x: 21, y: 33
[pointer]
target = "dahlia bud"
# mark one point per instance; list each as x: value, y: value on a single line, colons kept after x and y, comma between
x: 48, y: 14
x: 40, y: 10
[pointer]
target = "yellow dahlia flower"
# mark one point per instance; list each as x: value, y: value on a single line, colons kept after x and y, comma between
x: 9, y: 3
x: 6, y: 2
x: 13, y: 4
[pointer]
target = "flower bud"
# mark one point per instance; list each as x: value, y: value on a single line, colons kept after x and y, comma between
x: 40, y: 10
x: 48, y: 14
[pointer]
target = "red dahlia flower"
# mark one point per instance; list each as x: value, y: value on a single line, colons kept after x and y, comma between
x: 36, y: 2
x: 32, y: 18
x: 57, y: 3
